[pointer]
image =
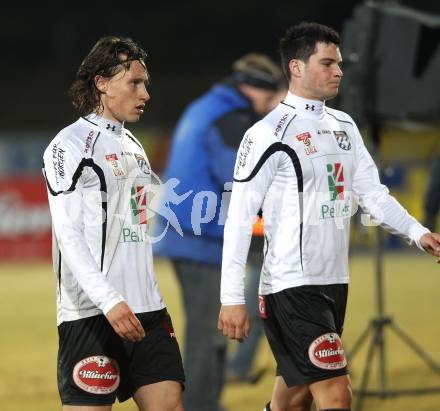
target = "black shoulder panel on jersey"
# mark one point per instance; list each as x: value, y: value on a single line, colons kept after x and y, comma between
x: 87, y: 162
x: 234, y: 124
x: 272, y: 149
x: 134, y: 140
x: 342, y: 121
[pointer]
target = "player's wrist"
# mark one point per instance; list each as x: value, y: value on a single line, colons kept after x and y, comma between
x: 232, y: 303
x: 115, y: 299
x: 417, y: 231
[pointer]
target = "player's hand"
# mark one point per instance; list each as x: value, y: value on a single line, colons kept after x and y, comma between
x: 431, y: 244
x: 233, y: 321
x: 125, y: 323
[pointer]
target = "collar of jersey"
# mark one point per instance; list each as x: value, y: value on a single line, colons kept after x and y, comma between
x: 112, y: 127
x: 314, y: 109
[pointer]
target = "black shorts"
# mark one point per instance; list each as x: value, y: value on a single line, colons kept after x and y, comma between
x: 303, y: 326
x: 95, y: 365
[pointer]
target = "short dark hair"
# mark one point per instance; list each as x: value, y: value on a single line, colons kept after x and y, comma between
x: 299, y: 42
x: 108, y: 57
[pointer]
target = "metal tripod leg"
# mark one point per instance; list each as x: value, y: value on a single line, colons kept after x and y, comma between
x: 415, y: 347
x: 358, y: 343
x: 366, y: 372
x: 377, y: 327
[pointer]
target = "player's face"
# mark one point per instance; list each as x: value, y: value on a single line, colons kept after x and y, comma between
x: 319, y: 78
x: 125, y: 94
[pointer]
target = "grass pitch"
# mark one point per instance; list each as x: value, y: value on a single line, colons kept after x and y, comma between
x: 28, y: 339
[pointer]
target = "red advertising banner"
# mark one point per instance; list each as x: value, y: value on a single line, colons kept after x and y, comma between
x: 25, y: 223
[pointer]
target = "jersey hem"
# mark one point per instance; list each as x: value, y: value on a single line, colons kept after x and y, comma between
x: 93, y: 313
x: 303, y: 281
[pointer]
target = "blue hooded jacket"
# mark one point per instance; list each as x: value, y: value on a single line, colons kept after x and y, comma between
x: 202, y: 158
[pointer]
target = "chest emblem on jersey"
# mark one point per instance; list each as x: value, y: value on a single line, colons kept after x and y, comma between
x: 335, y: 178
x: 338, y: 205
x: 137, y: 231
x: 343, y: 140
x: 306, y: 138
x: 115, y: 165
x: 138, y: 205
x: 142, y: 163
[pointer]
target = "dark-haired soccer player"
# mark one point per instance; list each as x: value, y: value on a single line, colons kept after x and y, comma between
x: 303, y: 164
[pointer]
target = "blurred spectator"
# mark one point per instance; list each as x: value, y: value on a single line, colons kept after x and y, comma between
x: 239, y: 365
x: 202, y: 159
x: 432, y: 197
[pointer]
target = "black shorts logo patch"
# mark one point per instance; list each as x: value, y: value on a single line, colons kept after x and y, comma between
x: 327, y: 353
x: 168, y: 325
x: 262, y: 307
x: 97, y: 375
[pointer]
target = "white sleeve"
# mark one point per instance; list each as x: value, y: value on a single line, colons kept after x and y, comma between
x: 374, y: 198
x: 256, y: 165
x: 66, y: 173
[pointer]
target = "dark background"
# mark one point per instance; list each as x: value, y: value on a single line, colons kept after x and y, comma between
x: 190, y: 44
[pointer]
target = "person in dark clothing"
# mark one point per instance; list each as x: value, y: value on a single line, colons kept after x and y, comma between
x: 202, y: 157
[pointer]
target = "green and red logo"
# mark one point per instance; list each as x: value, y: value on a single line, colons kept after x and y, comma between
x: 335, y: 178
x: 138, y: 205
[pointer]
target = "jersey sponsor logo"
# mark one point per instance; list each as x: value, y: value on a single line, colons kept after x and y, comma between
x: 58, y: 162
x: 324, y: 132
x: 335, y: 209
x: 97, y: 375
x: 89, y: 140
x: 245, y: 149
x: 343, y: 140
x: 335, y: 178
x: 306, y: 139
x: 137, y: 231
x: 113, y: 161
x: 262, y: 307
x: 134, y: 234
x: 138, y: 205
x: 280, y: 124
x: 142, y: 163
x: 326, y: 352
x: 339, y: 205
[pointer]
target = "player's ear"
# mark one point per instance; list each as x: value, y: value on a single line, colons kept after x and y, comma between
x: 296, y: 67
x: 101, y: 83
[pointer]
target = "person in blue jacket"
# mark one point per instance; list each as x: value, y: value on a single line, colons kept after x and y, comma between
x: 201, y: 159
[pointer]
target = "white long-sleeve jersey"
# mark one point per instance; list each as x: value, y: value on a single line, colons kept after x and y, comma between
x: 97, y: 174
x: 307, y: 168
